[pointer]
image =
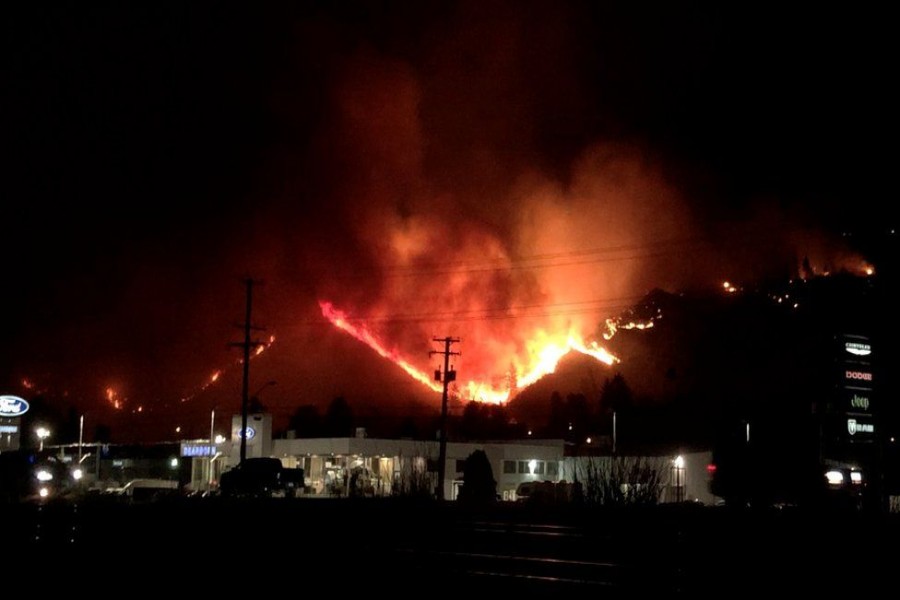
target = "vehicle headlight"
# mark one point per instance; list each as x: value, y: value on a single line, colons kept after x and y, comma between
x: 44, y: 475
x: 834, y: 477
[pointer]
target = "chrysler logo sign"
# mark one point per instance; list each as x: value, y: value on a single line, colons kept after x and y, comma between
x: 13, y: 406
x: 858, y: 348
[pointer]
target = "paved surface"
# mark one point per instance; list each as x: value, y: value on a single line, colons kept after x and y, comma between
x: 408, y: 549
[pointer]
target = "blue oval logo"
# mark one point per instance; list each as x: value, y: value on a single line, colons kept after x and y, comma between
x: 13, y: 406
x: 248, y: 433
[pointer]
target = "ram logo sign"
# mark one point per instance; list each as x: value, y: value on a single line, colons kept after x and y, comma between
x: 854, y: 427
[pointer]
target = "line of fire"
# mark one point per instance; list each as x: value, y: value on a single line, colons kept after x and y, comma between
x: 750, y: 397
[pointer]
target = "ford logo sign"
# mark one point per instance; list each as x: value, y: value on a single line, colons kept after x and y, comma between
x: 13, y: 406
x: 248, y: 433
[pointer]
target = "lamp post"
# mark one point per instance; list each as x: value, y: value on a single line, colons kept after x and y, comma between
x: 212, y: 447
x: 80, y: 436
x: 42, y: 433
x: 678, y: 467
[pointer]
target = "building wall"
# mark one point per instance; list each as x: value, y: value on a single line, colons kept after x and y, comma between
x: 260, y: 444
x: 330, y: 461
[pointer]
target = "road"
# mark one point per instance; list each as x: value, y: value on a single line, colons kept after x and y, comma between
x: 418, y: 549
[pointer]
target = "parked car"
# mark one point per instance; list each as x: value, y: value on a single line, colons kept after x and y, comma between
x: 261, y: 477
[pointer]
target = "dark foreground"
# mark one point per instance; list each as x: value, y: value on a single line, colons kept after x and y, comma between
x: 372, y: 548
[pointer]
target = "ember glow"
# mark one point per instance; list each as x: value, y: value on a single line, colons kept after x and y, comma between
x: 543, y: 353
x: 218, y: 373
x: 112, y: 396
x: 614, y: 325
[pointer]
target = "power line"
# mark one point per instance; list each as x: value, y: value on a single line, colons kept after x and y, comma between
x: 540, y: 261
x: 503, y: 313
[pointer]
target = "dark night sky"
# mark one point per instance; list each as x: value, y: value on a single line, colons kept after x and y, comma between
x: 154, y: 155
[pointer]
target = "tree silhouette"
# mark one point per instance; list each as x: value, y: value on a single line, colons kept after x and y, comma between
x: 306, y: 422
x: 559, y: 420
x: 338, y: 418
x: 479, y: 486
x: 615, y: 395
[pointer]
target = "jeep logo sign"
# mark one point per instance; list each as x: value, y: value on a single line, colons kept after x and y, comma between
x: 13, y: 406
x: 859, y: 401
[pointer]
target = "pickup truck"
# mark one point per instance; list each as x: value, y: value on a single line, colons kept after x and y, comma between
x: 261, y: 478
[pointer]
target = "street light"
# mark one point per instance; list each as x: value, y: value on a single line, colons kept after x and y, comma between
x: 42, y: 433
x: 678, y: 467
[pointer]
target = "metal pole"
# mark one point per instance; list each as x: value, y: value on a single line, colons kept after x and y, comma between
x: 80, y: 436
x: 246, y: 383
x: 442, y: 455
x: 212, y: 447
x: 614, y: 433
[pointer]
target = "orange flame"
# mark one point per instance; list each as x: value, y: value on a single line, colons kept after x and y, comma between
x: 339, y: 319
x: 112, y: 396
x: 218, y: 373
x: 544, y: 353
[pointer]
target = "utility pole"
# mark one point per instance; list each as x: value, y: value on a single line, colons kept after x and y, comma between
x: 246, y: 345
x: 448, y: 376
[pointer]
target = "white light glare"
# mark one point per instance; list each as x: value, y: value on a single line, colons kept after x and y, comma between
x: 44, y: 492
x: 856, y: 477
x: 834, y: 477
x: 44, y: 475
x: 679, y: 462
x: 173, y: 463
x: 77, y: 474
x: 532, y: 465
